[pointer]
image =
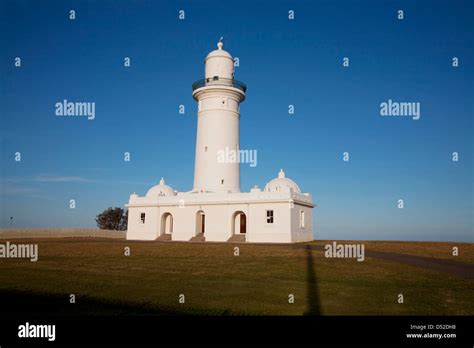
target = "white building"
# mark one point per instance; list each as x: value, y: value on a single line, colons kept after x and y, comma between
x: 216, y: 209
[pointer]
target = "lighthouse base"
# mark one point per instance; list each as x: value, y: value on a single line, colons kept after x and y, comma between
x: 257, y: 217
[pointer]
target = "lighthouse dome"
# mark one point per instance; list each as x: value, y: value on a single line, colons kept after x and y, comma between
x: 282, y: 184
x: 160, y: 190
x: 219, y: 63
x: 219, y: 52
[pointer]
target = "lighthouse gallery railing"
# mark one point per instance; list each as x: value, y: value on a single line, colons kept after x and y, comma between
x: 219, y: 81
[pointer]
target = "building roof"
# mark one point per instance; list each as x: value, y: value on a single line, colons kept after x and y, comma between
x: 161, y: 190
x: 282, y: 183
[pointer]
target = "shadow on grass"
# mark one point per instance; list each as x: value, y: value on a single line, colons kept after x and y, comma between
x: 18, y: 304
x: 312, y: 295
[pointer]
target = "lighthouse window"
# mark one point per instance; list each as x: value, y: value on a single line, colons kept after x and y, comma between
x: 269, y: 216
x: 215, y: 78
x: 222, y: 182
x: 205, y: 148
x: 301, y: 219
x: 142, y: 218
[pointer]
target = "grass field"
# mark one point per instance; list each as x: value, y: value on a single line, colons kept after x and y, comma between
x: 214, y: 281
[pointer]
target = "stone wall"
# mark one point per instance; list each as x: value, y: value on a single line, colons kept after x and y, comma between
x: 14, y: 233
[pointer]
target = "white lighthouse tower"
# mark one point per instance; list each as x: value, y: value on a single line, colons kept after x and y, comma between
x: 219, y: 96
x: 216, y: 209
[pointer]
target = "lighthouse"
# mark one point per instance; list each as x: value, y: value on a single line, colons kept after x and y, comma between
x: 218, y: 96
x: 216, y: 209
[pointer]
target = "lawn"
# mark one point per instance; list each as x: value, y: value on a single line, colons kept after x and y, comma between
x: 214, y: 281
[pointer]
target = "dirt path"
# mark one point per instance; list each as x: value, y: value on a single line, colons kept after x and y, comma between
x: 448, y: 266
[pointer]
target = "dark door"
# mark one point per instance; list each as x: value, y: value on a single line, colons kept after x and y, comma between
x: 243, y: 223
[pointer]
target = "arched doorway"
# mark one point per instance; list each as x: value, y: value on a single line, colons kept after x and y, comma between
x: 239, y: 223
x: 166, y: 224
x: 200, y: 222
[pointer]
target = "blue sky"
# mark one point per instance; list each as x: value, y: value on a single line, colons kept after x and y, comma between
x: 282, y: 62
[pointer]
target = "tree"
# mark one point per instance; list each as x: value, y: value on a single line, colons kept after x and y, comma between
x: 124, y: 222
x: 112, y: 219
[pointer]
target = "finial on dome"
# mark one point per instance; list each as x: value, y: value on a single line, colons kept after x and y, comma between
x: 281, y: 174
x: 162, y: 181
x: 220, y: 44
